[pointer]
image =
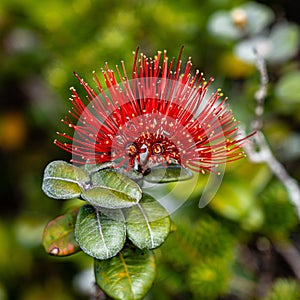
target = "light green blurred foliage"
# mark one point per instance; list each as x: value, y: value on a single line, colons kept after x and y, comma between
x: 43, y: 42
x: 284, y: 289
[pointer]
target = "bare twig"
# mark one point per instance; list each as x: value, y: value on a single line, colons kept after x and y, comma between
x: 258, y: 149
x: 291, y: 254
x: 260, y: 95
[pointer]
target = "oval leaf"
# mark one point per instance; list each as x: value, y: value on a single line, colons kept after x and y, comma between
x: 127, y: 276
x: 58, y: 237
x: 285, y: 39
x: 97, y: 234
x: 171, y: 173
x: 108, y: 198
x: 147, y: 223
x: 288, y: 88
x: 63, y: 180
x: 93, y: 168
x: 112, y: 190
x: 117, y: 181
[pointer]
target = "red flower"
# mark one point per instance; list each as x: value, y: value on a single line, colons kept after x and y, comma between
x: 160, y: 115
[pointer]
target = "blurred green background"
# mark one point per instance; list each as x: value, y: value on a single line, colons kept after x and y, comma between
x: 231, y: 249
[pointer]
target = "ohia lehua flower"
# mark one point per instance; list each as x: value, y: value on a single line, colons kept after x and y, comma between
x: 160, y: 113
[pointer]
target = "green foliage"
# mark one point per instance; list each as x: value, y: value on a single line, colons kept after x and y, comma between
x: 288, y: 90
x: 286, y: 289
x: 118, y: 209
x: 197, y: 258
x: 208, y: 279
x: 280, y: 215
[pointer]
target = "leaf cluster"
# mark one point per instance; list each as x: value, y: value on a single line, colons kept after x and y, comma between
x: 118, y: 225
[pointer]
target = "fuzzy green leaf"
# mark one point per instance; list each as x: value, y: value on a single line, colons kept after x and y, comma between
x: 112, y: 190
x: 58, y: 237
x: 127, y: 276
x: 93, y: 168
x: 98, y: 235
x: 117, y: 181
x: 63, y: 180
x: 108, y: 198
x: 171, y: 173
x: 147, y: 223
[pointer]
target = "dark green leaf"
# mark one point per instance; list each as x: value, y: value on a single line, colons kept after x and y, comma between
x: 171, y: 173
x: 148, y: 223
x: 127, y: 276
x: 58, y: 237
x: 63, y: 180
x: 98, y: 235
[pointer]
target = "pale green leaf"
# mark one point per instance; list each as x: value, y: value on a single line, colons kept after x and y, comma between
x: 112, y: 190
x: 285, y: 42
x: 147, y: 223
x: 97, y: 234
x: 63, y: 180
x: 108, y: 198
x: 288, y: 88
x: 117, y: 181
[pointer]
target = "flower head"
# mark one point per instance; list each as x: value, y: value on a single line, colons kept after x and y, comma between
x: 159, y: 115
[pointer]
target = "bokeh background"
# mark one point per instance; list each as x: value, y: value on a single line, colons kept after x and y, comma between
x: 236, y: 247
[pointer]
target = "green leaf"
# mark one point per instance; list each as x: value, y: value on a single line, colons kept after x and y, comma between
x: 288, y: 88
x: 108, y: 198
x: 98, y: 235
x: 112, y: 179
x: 285, y: 42
x: 234, y: 203
x: 171, y: 173
x: 258, y: 16
x: 127, y: 276
x: 221, y: 25
x: 93, y: 168
x: 58, y: 237
x: 63, y: 180
x: 112, y: 190
x: 132, y: 174
x: 147, y: 223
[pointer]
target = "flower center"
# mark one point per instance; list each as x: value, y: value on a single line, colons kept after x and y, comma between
x: 157, y: 149
x: 150, y: 149
x: 132, y: 150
